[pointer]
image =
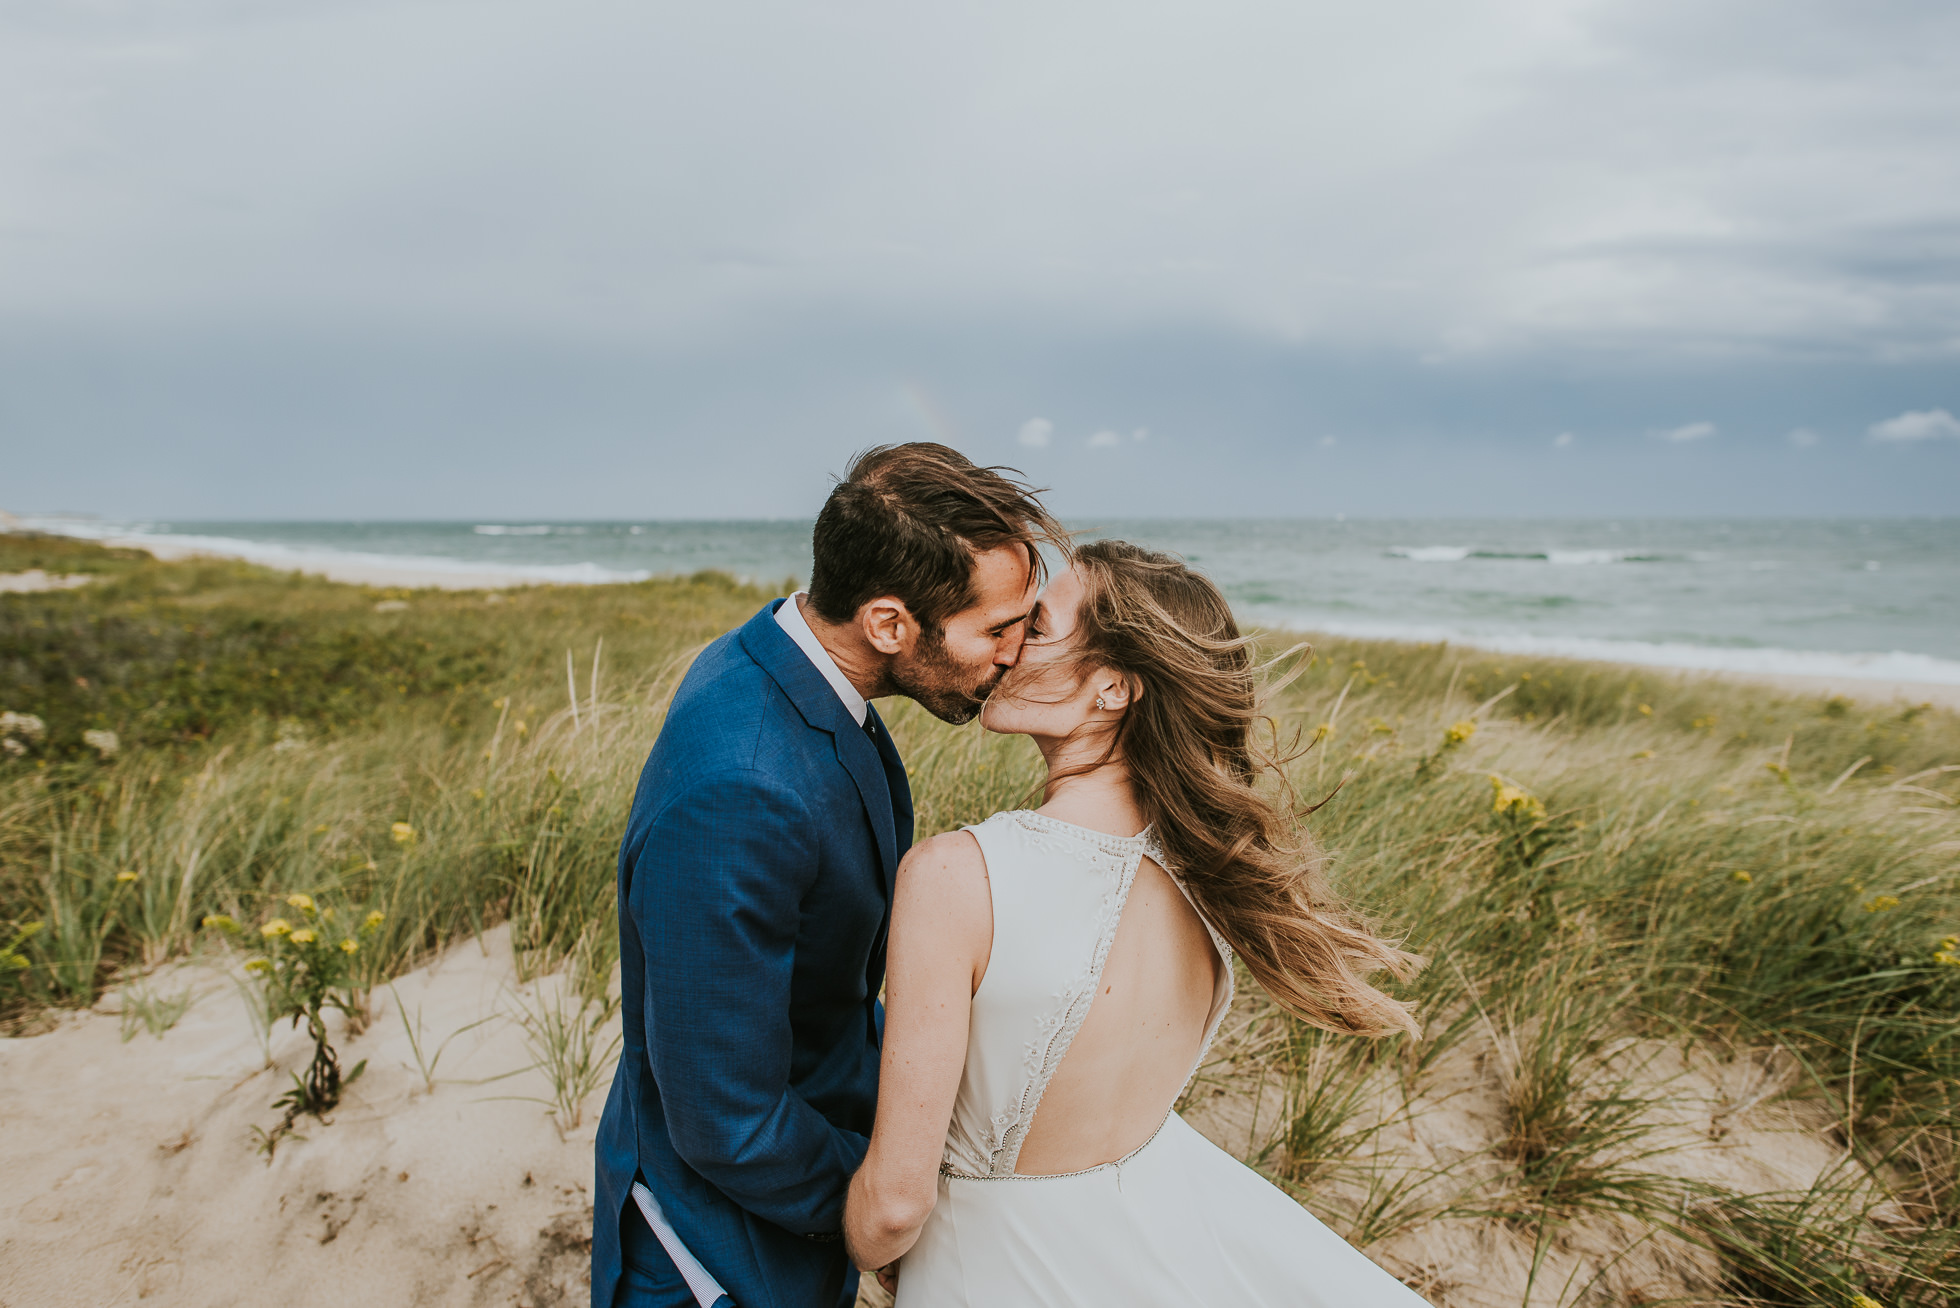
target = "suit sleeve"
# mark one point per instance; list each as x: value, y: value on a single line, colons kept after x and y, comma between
x: 716, y: 896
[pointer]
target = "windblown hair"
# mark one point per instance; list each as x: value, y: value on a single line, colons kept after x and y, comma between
x: 907, y: 520
x: 1187, y: 740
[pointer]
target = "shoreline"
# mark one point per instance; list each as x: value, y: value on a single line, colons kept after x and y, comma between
x: 1873, y: 691
x: 383, y: 573
x: 344, y: 569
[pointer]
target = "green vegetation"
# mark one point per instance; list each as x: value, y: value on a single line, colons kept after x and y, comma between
x: 305, y: 967
x: 1656, y: 909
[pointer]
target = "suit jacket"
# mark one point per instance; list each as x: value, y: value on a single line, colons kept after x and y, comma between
x: 755, y: 884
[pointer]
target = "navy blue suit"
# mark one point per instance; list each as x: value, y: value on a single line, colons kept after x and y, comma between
x: 755, y: 887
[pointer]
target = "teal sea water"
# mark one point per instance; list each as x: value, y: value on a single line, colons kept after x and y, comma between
x: 1877, y: 598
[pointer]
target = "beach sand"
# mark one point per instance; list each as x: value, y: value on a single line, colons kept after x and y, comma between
x: 25, y: 583
x: 132, y: 1171
x: 1901, y: 694
x: 1864, y: 691
x: 134, y: 1174
x: 353, y: 571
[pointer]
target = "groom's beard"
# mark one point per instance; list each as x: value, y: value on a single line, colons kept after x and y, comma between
x: 942, y: 687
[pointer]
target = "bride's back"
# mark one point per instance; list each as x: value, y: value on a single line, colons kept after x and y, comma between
x: 1136, y: 1049
x: 1100, y: 992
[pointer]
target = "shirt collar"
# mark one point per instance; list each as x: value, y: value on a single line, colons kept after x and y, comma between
x: 789, y: 616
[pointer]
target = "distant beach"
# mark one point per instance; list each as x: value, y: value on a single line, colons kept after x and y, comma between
x: 1864, y: 609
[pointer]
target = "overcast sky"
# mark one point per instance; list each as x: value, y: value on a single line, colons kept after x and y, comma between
x: 390, y: 258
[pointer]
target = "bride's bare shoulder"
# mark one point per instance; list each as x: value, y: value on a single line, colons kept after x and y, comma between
x: 950, y: 856
x: 943, y: 909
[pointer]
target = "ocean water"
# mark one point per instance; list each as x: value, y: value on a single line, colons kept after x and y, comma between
x: 1877, y: 599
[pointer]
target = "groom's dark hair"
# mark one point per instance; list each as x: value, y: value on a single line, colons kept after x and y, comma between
x: 907, y: 520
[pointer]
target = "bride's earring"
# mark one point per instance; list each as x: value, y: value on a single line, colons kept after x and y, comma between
x: 1099, y: 702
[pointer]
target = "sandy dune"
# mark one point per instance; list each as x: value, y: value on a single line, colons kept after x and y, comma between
x: 132, y: 1173
x: 20, y: 583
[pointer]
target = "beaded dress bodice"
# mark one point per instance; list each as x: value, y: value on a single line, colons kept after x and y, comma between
x: 1058, y: 894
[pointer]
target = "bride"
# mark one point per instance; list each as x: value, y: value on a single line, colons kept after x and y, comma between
x: 1056, y: 976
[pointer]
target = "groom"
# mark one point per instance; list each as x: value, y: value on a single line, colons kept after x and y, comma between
x: 755, y: 888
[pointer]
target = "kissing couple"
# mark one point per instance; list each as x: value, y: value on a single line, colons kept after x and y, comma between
x: 998, y: 1132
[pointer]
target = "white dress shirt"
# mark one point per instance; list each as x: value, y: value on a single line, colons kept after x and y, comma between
x: 789, y: 616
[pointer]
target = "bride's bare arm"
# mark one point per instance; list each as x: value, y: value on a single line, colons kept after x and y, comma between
x: 941, y: 936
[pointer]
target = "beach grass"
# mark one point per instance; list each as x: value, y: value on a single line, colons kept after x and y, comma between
x: 1690, y: 1014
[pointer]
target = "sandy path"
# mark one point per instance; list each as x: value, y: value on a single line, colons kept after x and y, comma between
x: 131, y: 1171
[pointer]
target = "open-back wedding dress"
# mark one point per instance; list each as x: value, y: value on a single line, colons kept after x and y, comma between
x: 1177, y: 1221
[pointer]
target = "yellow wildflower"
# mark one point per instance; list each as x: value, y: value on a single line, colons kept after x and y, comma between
x: 402, y: 832
x: 221, y: 922
x: 1881, y: 903
x: 1646, y: 710
x: 1741, y: 878
x: 1950, y: 943
x: 1514, y: 800
x: 1865, y: 1301
x: 1645, y: 753
x: 1322, y: 732
x: 1460, y: 732
x: 259, y: 966
x: 322, y: 829
x: 477, y: 793
x: 304, y: 903
x: 304, y: 936
x: 374, y: 920
x: 1946, y: 958
x: 278, y: 926
x: 350, y: 946
x: 522, y: 728
x: 125, y: 877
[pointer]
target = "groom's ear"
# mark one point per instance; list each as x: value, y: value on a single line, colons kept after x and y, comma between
x: 888, y: 625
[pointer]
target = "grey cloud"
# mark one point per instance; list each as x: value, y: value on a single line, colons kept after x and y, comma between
x: 708, y: 233
x: 1273, y: 168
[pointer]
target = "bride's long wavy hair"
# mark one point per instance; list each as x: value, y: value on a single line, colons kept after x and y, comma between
x: 1187, y: 741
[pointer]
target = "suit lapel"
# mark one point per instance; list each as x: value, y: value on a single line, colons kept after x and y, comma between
x: 772, y: 649
x: 899, y: 787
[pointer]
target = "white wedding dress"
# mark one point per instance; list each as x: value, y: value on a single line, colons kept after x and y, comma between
x: 1176, y: 1222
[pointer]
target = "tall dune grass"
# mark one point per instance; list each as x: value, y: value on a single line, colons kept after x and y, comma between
x: 1625, y: 882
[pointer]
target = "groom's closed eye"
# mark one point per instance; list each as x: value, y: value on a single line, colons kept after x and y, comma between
x: 1001, y: 629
